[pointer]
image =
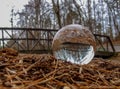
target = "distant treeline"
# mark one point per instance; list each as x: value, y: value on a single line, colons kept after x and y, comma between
x: 101, y: 16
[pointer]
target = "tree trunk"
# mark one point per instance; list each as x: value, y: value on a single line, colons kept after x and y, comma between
x: 56, y: 8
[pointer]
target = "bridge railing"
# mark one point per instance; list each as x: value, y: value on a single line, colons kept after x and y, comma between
x: 27, y: 39
x: 35, y: 40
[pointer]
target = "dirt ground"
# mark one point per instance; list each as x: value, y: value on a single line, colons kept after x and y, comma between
x: 117, y: 45
x: 115, y: 58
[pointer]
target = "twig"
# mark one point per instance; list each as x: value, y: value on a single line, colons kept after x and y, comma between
x: 102, y: 78
x: 41, y: 81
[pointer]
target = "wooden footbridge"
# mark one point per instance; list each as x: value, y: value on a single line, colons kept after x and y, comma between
x: 35, y: 40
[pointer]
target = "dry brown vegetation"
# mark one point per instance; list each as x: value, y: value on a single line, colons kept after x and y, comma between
x: 33, y: 71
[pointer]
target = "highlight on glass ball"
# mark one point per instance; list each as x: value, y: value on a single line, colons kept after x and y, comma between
x: 74, y: 43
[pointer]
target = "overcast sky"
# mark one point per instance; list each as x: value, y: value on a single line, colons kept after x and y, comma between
x: 5, y: 10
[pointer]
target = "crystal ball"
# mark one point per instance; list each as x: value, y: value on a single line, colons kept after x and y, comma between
x: 74, y: 43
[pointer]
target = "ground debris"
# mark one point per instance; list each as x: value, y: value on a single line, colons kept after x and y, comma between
x: 43, y: 71
x: 8, y: 53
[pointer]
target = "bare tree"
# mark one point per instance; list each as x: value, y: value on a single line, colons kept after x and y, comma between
x: 113, y: 13
x: 37, y: 12
x: 102, y: 16
x: 56, y: 8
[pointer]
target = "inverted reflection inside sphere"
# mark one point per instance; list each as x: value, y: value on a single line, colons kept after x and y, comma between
x: 74, y: 43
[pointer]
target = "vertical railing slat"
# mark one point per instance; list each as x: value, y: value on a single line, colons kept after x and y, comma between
x: 27, y: 40
x: 3, y: 45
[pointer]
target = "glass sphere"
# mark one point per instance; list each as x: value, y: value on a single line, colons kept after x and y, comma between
x: 74, y: 43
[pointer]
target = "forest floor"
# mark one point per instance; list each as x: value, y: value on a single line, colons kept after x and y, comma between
x: 43, y: 71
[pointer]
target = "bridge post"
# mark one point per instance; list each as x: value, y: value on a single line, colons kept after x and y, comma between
x: 27, y: 40
x: 3, y: 45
